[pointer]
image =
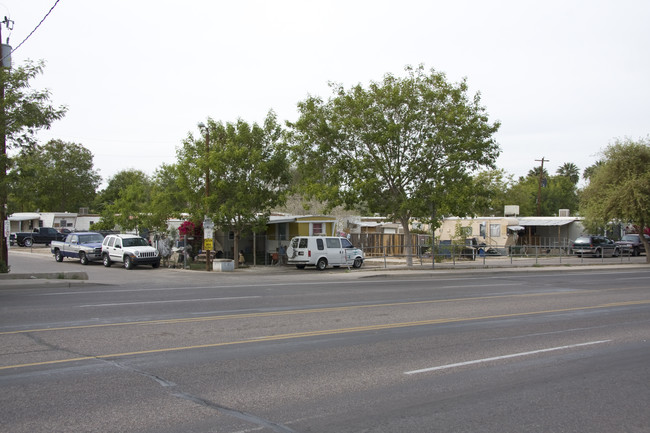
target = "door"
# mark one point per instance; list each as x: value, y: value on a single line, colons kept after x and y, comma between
x: 115, y: 249
x: 335, y: 254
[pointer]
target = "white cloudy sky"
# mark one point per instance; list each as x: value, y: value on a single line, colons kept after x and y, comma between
x: 564, y: 77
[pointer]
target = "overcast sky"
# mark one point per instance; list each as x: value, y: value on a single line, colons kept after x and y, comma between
x: 565, y: 78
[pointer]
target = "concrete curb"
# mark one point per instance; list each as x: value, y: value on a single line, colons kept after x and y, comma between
x: 46, y: 276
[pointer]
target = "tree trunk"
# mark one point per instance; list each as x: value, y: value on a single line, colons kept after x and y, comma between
x: 236, y: 248
x: 408, y: 242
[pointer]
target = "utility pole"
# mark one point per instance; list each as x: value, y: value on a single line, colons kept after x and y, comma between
x: 539, y: 186
x: 207, y: 222
x: 4, y: 251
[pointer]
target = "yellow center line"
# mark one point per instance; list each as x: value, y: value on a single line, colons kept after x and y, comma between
x: 325, y: 332
x: 281, y: 313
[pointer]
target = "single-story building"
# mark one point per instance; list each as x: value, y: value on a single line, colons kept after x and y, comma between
x: 28, y: 221
x: 494, y: 232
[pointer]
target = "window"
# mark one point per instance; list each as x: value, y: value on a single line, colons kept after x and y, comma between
x: 466, y: 231
x: 346, y: 243
x: 495, y: 230
x: 282, y: 231
x: 482, y: 230
x: 320, y: 245
x: 316, y: 229
x: 333, y: 243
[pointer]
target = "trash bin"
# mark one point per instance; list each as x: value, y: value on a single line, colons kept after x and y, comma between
x: 223, y: 265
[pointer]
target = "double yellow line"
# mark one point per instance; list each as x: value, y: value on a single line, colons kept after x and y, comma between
x: 309, y: 333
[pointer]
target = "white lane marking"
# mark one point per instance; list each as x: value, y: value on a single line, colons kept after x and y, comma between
x: 497, y: 358
x: 159, y: 289
x: 119, y: 304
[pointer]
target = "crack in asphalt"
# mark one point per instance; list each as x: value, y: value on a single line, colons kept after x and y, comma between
x: 244, y: 416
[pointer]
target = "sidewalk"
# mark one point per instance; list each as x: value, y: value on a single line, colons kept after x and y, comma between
x: 373, y: 267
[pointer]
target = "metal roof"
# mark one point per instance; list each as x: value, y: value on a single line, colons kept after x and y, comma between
x: 546, y: 221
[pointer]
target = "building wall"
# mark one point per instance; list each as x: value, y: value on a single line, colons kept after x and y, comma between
x: 490, y: 230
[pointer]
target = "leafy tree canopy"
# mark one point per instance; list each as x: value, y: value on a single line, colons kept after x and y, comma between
x: 570, y: 170
x: 127, y: 201
x: 56, y: 177
x: 248, y: 171
x: 558, y: 193
x: 403, y: 146
x: 25, y: 110
x: 619, y: 187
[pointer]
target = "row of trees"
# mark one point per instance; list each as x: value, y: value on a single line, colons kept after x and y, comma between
x: 406, y: 147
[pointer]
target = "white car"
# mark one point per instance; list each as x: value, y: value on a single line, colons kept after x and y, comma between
x: 132, y: 250
x: 323, y: 251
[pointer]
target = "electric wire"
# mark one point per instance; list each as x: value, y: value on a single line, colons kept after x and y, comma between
x: 32, y: 32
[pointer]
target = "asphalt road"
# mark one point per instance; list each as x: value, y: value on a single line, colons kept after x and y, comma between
x: 270, y: 351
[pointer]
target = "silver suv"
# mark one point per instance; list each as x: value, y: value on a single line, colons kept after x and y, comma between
x: 132, y: 250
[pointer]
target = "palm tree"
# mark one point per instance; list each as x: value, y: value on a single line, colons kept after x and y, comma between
x: 570, y: 170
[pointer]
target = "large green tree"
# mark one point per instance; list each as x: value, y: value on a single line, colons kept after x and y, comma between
x: 56, y: 177
x: 558, y: 192
x: 405, y: 147
x: 127, y: 201
x: 619, y: 186
x: 23, y: 111
x: 248, y: 171
x: 491, y: 187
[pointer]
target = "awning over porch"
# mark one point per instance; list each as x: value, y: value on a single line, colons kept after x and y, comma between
x: 545, y: 221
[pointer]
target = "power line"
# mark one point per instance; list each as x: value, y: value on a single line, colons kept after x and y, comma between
x: 32, y: 32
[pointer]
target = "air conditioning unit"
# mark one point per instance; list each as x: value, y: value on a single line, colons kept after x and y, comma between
x: 510, y: 210
x: 563, y: 212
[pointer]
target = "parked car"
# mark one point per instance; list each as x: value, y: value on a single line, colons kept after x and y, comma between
x: 322, y: 251
x: 132, y: 250
x: 597, y: 246
x: 40, y: 235
x: 631, y: 244
x: 85, y: 246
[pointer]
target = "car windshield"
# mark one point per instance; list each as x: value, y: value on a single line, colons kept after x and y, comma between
x: 93, y: 238
x: 583, y: 240
x: 631, y: 238
x: 134, y: 242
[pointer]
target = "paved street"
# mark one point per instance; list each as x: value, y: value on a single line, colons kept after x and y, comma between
x: 277, y: 350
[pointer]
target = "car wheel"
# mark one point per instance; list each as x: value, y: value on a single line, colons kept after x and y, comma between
x: 636, y: 252
x: 83, y: 259
x: 106, y: 260
x: 321, y: 265
x: 300, y: 266
x: 58, y: 255
x: 616, y: 252
x: 357, y: 263
x: 28, y: 242
x: 128, y: 262
x: 155, y: 265
x: 598, y: 253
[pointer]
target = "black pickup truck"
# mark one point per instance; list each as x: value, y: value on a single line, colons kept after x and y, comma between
x: 40, y: 235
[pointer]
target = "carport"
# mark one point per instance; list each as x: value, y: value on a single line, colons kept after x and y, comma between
x: 551, y: 231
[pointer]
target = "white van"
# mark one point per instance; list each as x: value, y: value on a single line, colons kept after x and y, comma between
x: 321, y: 251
